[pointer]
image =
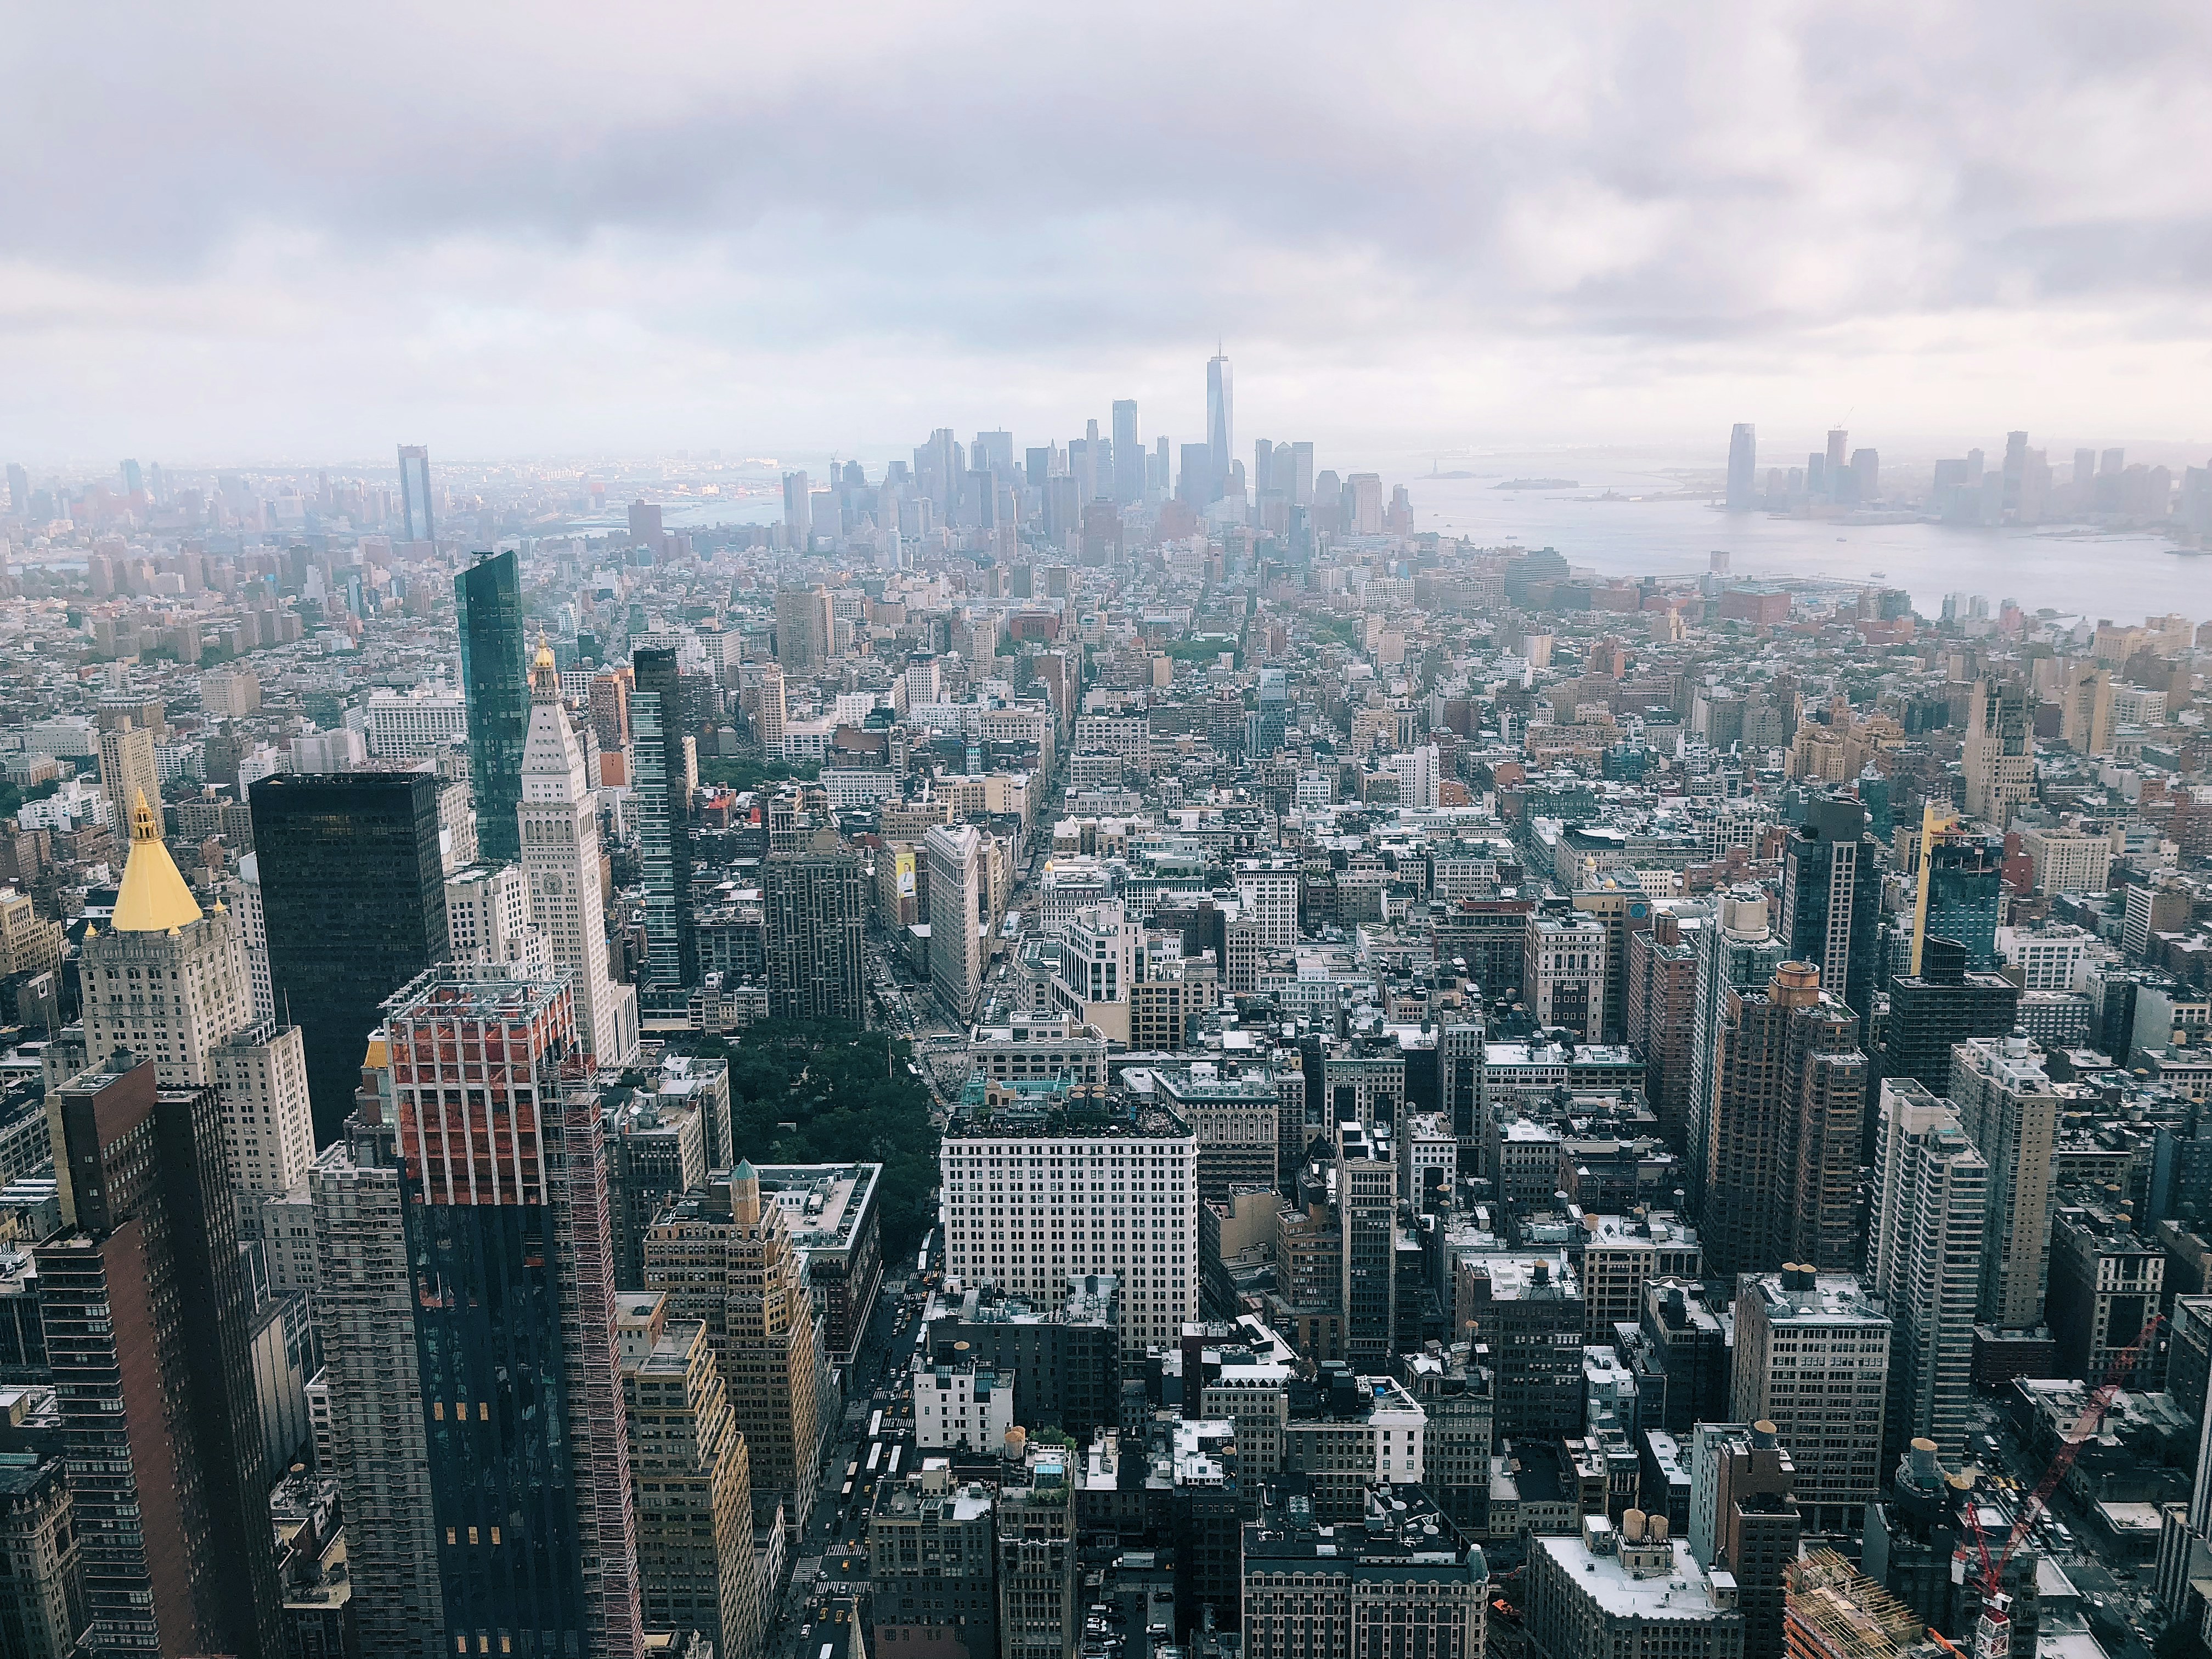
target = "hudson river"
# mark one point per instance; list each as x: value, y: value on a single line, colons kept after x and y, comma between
x: 2080, y: 572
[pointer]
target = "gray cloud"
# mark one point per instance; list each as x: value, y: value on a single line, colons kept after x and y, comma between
x: 490, y: 210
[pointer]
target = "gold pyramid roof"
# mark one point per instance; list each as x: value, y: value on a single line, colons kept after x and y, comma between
x: 154, y: 898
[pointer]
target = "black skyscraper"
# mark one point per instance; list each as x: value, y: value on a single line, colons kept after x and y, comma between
x: 496, y: 681
x: 813, y: 907
x: 664, y: 824
x: 353, y: 895
x: 1832, y: 899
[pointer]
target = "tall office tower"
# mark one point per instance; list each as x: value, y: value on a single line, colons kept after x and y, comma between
x: 169, y: 982
x: 1367, y: 1210
x: 1924, y: 1259
x: 959, y: 912
x: 495, y: 687
x: 1128, y: 455
x: 1025, y: 1208
x: 144, y: 1298
x: 1812, y: 1358
x: 353, y: 895
x: 467, y: 1299
x: 2015, y: 468
x: 2085, y: 707
x: 559, y: 831
x: 128, y: 774
x: 664, y: 815
x: 933, y: 1549
x: 1743, y: 491
x: 1220, y: 424
x: 1997, y: 756
x: 1961, y: 889
x: 799, y: 511
x: 806, y: 630
x: 726, y: 1259
x: 19, y: 487
x: 812, y: 905
x: 696, y: 1565
x: 1530, y: 1311
x: 1832, y: 463
x: 1744, y: 1520
x: 1040, y: 1612
x: 1866, y: 474
x: 1740, y: 952
x: 2008, y: 1110
x: 1939, y: 1006
x: 1783, y: 1151
x: 415, y: 492
x: 1831, y: 898
x: 768, y: 710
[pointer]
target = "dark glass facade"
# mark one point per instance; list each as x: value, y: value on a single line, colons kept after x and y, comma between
x: 664, y: 808
x: 1965, y: 880
x: 1832, y: 899
x: 496, y: 684
x: 353, y: 895
x: 488, y: 1342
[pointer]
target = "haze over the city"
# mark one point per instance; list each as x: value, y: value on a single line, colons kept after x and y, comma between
x: 240, y: 233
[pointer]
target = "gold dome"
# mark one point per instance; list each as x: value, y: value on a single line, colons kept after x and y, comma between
x: 153, y: 898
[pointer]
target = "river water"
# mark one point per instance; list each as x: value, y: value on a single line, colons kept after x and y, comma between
x: 2072, y: 570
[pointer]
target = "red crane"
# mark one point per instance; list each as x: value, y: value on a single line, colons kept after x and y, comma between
x: 1991, y: 1634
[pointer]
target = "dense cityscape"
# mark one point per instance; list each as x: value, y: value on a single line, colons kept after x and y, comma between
x: 1104, y: 1049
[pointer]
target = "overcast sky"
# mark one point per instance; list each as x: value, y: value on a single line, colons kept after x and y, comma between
x: 253, y: 232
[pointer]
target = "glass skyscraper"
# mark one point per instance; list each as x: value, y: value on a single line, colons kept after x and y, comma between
x: 1220, y: 421
x: 1966, y: 879
x: 414, y: 492
x: 496, y: 683
x: 477, y: 1416
x: 1831, y: 898
x: 353, y: 901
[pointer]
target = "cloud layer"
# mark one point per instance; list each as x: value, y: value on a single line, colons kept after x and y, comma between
x: 275, y: 231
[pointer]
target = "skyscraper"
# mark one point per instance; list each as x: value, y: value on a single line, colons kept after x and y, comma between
x: 1781, y: 1149
x: 663, y: 817
x: 798, y: 510
x: 560, y: 850
x: 1831, y: 898
x: 1128, y: 455
x: 1743, y: 491
x: 1740, y: 952
x: 812, y: 906
x: 1997, y: 756
x: 353, y: 899
x: 957, y: 910
x: 475, y: 1406
x: 415, y: 492
x: 1220, y: 423
x: 2009, y: 1110
x: 128, y: 774
x: 1924, y: 1258
x: 169, y: 982
x: 696, y: 1565
x: 144, y: 1301
x: 1940, y: 1005
x: 1961, y: 891
x: 495, y: 687
x: 806, y: 629
x: 726, y: 1258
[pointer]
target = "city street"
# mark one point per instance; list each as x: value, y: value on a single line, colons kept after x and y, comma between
x: 831, y: 1558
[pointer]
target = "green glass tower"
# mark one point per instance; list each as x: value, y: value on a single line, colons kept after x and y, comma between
x: 496, y: 681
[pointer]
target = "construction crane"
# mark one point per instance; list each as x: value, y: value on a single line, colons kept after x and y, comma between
x: 1993, y: 1629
